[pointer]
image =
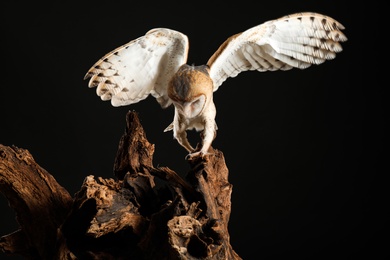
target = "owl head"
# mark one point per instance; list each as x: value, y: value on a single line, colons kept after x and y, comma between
x: 190, y: 89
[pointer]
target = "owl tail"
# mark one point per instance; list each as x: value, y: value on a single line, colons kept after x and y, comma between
x: 169, y: 128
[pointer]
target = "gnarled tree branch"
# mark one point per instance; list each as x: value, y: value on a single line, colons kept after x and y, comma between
x: 128, y: 216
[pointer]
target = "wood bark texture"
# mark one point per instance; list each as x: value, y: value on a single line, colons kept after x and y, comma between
x: 143, y: 212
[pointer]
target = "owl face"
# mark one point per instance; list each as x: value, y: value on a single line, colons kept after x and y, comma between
x: 191, y: 108
x: 190, y: 90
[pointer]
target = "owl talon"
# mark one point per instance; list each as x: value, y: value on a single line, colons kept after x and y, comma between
x: 192, y: 156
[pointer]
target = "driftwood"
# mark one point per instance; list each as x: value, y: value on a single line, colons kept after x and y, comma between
x: 143, y: 212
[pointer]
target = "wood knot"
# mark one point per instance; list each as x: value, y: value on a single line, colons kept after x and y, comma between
x: 183, y: 226
x: 3, y: 154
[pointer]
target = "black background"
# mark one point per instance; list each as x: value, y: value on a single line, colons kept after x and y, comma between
x: 303, y: 147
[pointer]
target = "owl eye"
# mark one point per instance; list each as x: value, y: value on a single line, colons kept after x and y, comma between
x: 196, y: 106
x: 197, y: 102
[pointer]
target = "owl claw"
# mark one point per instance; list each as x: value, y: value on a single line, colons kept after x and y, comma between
x: 192, y: 156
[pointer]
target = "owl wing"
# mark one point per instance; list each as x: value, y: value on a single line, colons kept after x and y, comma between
x: 293, y: 41
x: 141, y: 67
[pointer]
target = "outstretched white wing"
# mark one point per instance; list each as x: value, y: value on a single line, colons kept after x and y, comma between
x: 292, y: 41
x: 141, y: 67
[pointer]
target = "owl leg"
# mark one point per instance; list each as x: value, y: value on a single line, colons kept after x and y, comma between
x: 181, y: 137
x: 208, y: 135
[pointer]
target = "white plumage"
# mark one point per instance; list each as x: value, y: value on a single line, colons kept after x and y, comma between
x: 141, y: 67
x: 155, y: 64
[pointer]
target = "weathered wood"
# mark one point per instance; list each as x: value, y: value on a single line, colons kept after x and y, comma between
x: 40, y: 204
x: 144, y: 212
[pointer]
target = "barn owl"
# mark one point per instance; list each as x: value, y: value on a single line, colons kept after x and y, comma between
x: 156, y: 64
